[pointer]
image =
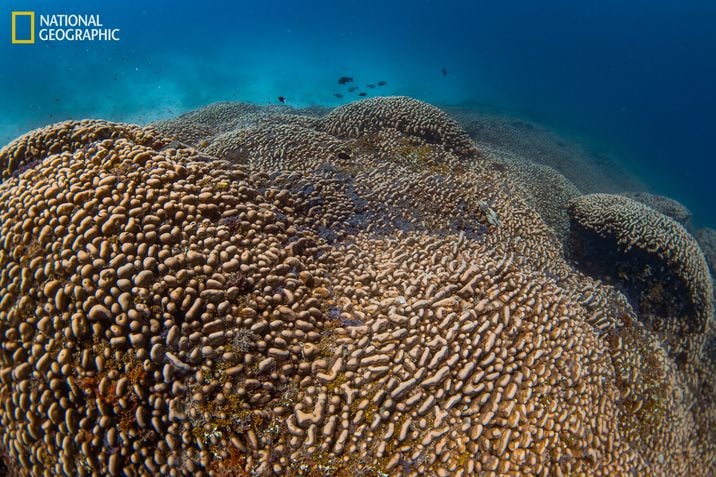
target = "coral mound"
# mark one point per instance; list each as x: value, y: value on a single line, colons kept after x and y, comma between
x: 407, y: 115
x: 658, y: 261
x: 196, y: 127
x: 27, y: 151
x: 665, y: 205
x: 293, y: 298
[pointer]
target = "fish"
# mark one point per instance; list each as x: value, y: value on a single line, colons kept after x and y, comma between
x: 343, y: 155
x: 345, y: 79
x: 362, y: 93
x: 371, y: 86
x: 282, y: 99
x: 382, y: 83
x: 444, y: 71
x: 352, y: 88
x: 338, y: 95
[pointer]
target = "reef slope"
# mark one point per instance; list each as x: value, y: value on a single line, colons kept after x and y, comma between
x: 262, y: 291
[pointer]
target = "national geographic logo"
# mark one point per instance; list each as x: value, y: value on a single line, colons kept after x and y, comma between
x: 29, y: 38
x: 60, y: 27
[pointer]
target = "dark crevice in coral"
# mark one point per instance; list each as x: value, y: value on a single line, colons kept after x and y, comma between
x: 655, y: 292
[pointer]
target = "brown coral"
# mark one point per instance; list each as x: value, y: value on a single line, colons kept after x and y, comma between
x: 407, y: 115
x: 378, y: 304
x: 665, y: 205
x: 545, y: 189
x: 651, y: 254
x: 707, y: 241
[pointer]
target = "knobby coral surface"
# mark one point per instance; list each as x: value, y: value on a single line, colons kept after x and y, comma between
x: 665, y: 205
x: 358, y: 293
x: 659, y: 263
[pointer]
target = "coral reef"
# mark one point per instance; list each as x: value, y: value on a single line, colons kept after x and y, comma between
x: 652, y: 256
x: 248, y: 291
x: 196, y: 127
x: 545, y: 189
x: 406, y: 115
x: 665, y: 205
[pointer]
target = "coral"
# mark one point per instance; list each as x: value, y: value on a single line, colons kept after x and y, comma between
x: 28, y: 151
x: 338, y: 298
x: 198, y: 128
x: 650, y: 254
x: 545, y: 189
x: 297, y: 146
x: 707, y: 241
x: 407, y: 115
x: 665, y: 205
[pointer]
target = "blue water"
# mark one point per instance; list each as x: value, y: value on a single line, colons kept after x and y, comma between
x: 636, y: 78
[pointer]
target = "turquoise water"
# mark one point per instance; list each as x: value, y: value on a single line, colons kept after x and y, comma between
x: 635, y: 79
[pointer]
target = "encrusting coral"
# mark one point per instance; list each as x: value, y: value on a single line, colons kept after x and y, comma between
x: 362, y: 292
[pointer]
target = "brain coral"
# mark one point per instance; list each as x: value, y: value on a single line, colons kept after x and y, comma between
x: 657, y: 259
x: 373, y: 305
x: 665, y: 205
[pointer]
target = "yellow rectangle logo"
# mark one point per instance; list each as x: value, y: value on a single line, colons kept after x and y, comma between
x: 23, y: 41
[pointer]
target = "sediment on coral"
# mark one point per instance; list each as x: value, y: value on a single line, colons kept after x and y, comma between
x: 249, y: 291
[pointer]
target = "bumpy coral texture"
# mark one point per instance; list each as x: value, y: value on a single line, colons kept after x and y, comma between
x: 665, y: 205
x: 361, y: 293
x: 656, y: 251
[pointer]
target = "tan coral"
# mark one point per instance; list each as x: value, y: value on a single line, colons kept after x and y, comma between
x: 400, y: 311
x: 548, y: 191
x: 199, y: 127
x: 407, y: 115
x: 295, y: 147
x: 665, y: 205
x: 632, y: 243
x: 30, y: 149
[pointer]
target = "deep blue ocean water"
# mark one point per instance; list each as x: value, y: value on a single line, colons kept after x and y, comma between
x: 636, y: 78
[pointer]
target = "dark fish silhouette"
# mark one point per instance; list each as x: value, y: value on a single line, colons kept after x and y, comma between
x: 352, y: 88
x: 371, y: 86
x: 282, y: 99
x: 444, y: 71
x: 338, y: 95
x: 345, y: 79
x: 343, y: 155
x: 362, y: 93
x: 382, y: 83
